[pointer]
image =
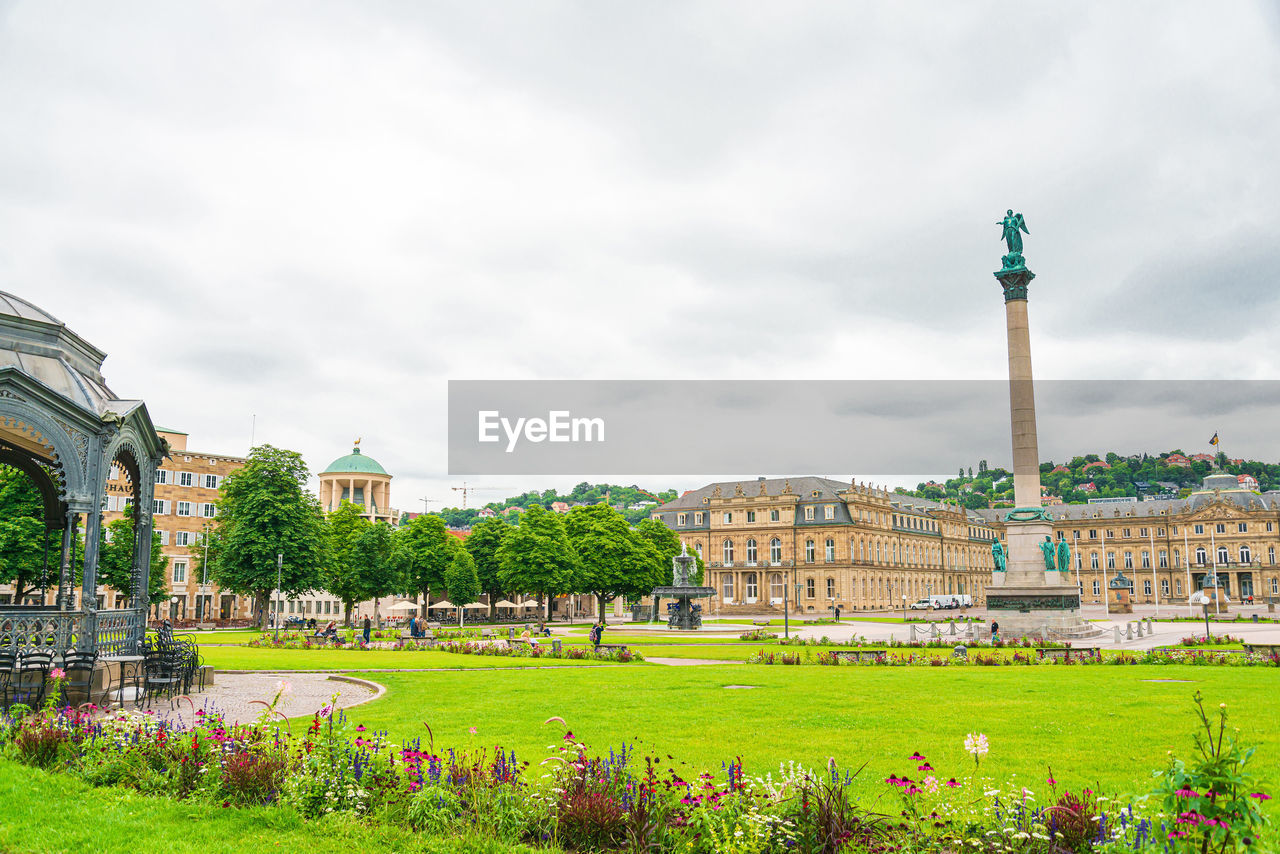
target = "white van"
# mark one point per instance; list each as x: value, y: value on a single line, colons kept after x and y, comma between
x: 947, y: 601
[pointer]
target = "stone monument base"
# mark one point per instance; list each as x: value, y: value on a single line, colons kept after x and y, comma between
x: 1033, y: 611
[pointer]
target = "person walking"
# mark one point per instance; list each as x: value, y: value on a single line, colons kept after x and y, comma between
x: 367, y: 626
x: 597, y: 635
x: 995, y: 631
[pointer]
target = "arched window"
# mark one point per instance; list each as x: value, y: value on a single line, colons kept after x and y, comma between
x: 878, y: 558
x: 698, y: 548
x: 752, y: 591
x: 808, y: 551
x: 728, y: 552
x: 831, y: 588
x: 775, y: 551
x: 775, y: 587
x: 1246, y: 556
x: 751, y: 550
x: 726, y: 585
x: 831, y: 551
x: 1223, y: 555
x: 1202, y: 557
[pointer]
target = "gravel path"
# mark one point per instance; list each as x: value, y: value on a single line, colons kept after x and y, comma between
x: 235, y: 694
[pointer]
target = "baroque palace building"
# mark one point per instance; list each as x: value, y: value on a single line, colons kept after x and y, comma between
x: 864, y: 548
x: 835, y: 543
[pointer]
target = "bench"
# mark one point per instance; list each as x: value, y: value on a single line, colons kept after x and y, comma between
x: 873, y: 655
x: 205, y: 627
x: 1263, y: 648
x: 762, y: 622
x: 486, y: 633
x: 1073, y: 653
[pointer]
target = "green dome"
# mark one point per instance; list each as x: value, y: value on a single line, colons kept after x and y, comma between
x: 353, y: 463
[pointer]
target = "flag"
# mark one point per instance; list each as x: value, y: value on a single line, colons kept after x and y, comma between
x: 1214, y: 440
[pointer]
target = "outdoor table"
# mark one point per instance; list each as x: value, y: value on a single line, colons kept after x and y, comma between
x: 129, y: 667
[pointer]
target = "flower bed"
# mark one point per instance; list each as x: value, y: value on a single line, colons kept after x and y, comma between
x: 542, y: 650
x: 758, y: 635
x: 1209, y: 640
x: 585, y: 801
x: 1210, y: 658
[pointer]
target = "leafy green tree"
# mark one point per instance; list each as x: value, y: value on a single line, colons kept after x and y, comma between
x: 613, y: 559
x: 382, y: 559
x: 344, y: 576
x: 483, y: 543
x: 428, y: 551
x: 460, y: 579
x: 22, y: 535
x: 115, y: 561
x: 665, y: 545
x: 536, y: 556
x: 265, y: 510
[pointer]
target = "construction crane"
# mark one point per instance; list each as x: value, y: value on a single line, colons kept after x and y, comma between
x: 429, y: 501
x: 464, y: 489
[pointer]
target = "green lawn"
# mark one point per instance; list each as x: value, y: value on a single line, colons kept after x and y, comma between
x: 46, y: 813
x: 252, y: 658
x: 1101, y: 726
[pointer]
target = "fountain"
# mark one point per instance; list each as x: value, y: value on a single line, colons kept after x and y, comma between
x: 682, y: 614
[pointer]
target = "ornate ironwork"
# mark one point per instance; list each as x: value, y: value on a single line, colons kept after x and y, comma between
x: 40, y: 630
x: 119, y: 632
x: 1034, y: 602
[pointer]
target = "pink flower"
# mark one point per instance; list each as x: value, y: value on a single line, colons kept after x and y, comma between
x: 916, y: 757
x: 925, y: 767
x: 57, y: 673
x: 952, y: 784
x: 360, y: 727
x: 1262, y: 796
x: 1186, y: 792
x: 472, y: 730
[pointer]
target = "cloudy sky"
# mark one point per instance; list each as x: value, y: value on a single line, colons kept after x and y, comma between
x: 318, y: 213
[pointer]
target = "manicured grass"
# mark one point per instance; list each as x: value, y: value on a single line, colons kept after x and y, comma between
x: 45, y: 813
x: 1108, y: 727
x: 253, y: 658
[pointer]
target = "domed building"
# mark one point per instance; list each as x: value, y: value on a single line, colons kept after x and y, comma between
x: 360, y: 479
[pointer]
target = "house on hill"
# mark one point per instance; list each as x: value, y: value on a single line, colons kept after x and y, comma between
x: 486, y: 513
x: 1095, y: 464
x: 559, y: 507
x: 1248, y: 481
x: 1204, y: 458
x: 1059, y: 470
x: 1087, y: 487
x: 1177, y: 460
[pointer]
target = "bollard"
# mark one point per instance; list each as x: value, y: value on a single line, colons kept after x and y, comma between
x: 912, y: 626
x: 1128, y: 631
x: 1139, y: 629
x: 953, y: 628
x: 1116, y: 629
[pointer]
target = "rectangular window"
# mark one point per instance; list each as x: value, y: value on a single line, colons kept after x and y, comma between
x: 115, y: 472
x: 1271, y: 555
x: 831, y: 588
x: 186, y: 478
x: 159, y: 507
x: 808, y: 514
x: 1177, y: 585
x: 775, y: 515
x: 1243, y: 527
x: 681, y: 519
x: 182, y: 538
x: 1221, y: 527
x: 1128, y: 560
x: 1146, y: 560
x: 1146, y: 587
x: 179, y: 571
x: 1164, y: 559
x: 1159, y: 532
x: 1164, y: 587
x: 1125, y: 532
x: 728, y: 517
x: 184, y: 508
x: 164, y: 537
x: 1093, y: 561
x: 1111, y: 560
x: 211, y: 481
x: 751, y: 515
x: 1268, y: 527
x: 810, y: 588
x: 1093, y: 533
x: 162, y: 475
x: 1199, y: 529
x: 1142, y: 532
x: 208, y: 511
x: 1096, y: 588
x: 828, y: 511
x: 697, y: 518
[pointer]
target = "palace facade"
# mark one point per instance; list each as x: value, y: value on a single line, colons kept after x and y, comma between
x: 827, y: 543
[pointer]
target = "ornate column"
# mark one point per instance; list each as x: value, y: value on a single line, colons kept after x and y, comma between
x: 66, y: 599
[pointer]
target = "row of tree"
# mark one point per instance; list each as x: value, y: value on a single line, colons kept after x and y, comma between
x: 266, y: 514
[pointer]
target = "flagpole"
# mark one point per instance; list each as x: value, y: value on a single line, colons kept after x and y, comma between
x: 1186, y: 554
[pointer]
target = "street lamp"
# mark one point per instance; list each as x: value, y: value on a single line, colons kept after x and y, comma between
x: 904, y: 607
x: 279, y: 571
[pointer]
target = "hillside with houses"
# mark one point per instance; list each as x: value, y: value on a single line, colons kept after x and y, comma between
x: 1171, y: 474
x: 631, y: 501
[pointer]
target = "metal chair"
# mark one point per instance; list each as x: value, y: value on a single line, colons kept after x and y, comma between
x: 79, y: 667
x: 162, y: 674
x: 8, y: 666
x: 31, y: 678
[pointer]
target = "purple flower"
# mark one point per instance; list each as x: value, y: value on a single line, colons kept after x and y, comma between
x: 1262, y: 796
x: 1186, y: 792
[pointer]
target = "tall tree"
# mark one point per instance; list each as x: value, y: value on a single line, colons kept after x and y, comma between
x: 383, y: 560
x: 613, y: 560
x: 428, y: 550
x: 343, y: 575
x: 22, y: 535
x: 115, y: 562
x: 537, y: 557
x: 461, y: 581
x: 265, y: 510
x: 483, y: 543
